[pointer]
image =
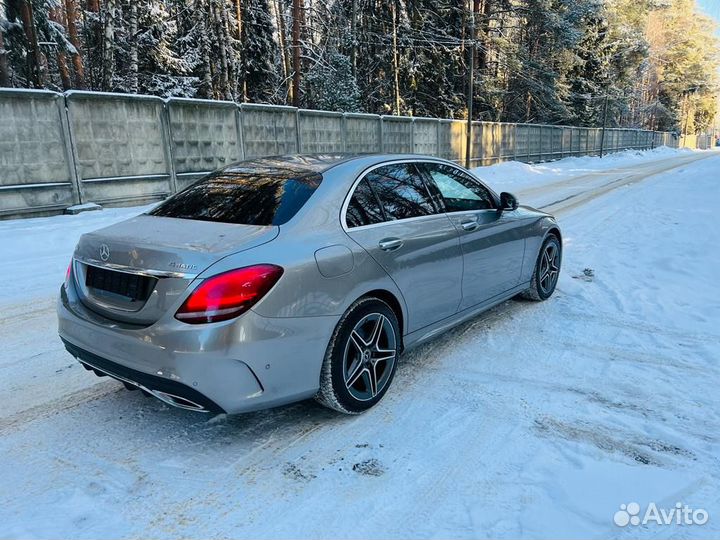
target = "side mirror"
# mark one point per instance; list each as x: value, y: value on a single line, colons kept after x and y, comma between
x: 508, y: 201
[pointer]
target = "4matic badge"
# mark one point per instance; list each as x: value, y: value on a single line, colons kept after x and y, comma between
x: 182, y: 266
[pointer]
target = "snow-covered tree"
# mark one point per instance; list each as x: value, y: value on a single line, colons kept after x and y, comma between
x: 552, y: 61
x: 330, y: 85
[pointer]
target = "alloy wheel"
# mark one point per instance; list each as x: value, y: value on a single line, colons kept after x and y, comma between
x: 549, y: 267
x: 370, y: 355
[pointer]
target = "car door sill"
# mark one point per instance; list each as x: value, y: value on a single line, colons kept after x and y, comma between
x: 427, y: 333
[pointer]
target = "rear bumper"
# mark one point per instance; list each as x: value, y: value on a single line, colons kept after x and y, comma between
x: 246, y: 364
x: 171, y: 392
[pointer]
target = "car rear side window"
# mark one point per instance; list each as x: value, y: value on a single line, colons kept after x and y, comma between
x: 458, y: 190
x: 363, y: 208
x: 247, y: 196
x: 402, y: 191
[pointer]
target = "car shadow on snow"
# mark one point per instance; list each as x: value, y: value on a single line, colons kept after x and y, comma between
x: 294, y: 419
x: 186, y: 435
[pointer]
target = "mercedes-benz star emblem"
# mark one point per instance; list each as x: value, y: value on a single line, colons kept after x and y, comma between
x: 104, y: 252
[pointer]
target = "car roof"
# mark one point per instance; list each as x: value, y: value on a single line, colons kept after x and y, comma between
x: 318, y: 163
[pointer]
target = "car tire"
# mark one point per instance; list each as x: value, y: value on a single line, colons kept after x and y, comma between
x: 361, y: 358
x: 547, y: 270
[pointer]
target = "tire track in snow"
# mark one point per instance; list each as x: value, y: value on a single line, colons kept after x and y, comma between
x: 569, y: 202
x: 58, y: 405
x: 589, y: 177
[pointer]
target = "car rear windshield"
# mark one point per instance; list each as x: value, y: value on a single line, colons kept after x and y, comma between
x: 247, y: 196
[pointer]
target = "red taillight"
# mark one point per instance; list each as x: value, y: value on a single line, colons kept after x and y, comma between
x: 68, y: 273
x: 227, y: 295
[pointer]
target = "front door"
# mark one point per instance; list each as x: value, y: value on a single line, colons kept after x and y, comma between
x: 492, y: 244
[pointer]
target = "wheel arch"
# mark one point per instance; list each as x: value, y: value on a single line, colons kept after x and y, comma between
x: 556, y: 231
x: 390, y: 299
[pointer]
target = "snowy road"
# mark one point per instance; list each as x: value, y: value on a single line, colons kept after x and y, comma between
x: 533, y: 420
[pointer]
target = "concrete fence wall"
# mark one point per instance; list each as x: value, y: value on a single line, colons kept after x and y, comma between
x: 57, y: 150
x: 702, y: 141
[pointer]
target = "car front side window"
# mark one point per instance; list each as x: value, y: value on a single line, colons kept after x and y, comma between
x: 459, y: 192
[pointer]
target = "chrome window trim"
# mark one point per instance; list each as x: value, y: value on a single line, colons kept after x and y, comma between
x: 362, y: 175
x: 481, y: 210
x: 393, y: 221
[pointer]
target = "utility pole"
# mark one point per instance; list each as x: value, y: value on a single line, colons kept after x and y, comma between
x: 296, y: 52
x: 602, y: 133
x: 654, y: 123
x: 687, y: 118
x: 470, y: 88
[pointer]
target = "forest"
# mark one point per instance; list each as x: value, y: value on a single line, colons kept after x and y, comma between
x: 651, y: 64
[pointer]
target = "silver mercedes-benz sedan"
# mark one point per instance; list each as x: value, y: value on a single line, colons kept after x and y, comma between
x: 285, y: 278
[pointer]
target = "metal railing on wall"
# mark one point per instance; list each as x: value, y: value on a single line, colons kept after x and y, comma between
x: 57, y: 150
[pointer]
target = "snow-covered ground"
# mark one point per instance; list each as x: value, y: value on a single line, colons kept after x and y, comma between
x: 535, y: 420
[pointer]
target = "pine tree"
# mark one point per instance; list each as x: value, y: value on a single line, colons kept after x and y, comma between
x: 331, y: 86
x: 260, y: 59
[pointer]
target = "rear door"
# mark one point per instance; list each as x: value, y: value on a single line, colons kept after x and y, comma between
x: 492, y: 244
x: 394, y: 217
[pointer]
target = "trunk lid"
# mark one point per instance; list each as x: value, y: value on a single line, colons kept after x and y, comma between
x: 135, y: 270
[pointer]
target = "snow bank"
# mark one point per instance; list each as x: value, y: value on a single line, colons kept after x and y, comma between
x: 514, y: 175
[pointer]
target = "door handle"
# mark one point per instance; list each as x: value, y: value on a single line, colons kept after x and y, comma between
x: 470, y: 225
x: 390, y: 244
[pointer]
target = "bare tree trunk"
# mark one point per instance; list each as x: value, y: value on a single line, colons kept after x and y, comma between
x: 108, y: 44
x: 4, y: 72
x: 239, y: 18
x: 243, y: 57
x: 396, y: 61
x: 56, y: 17
x: 206, y: 87
x: 64, y: 71
x: 94, y: 45
x: 242, y: 87
x: 71, y: 18
x: 481, y: 10
x: 216, y: 19
x: 528, y: 105
x: 133, y: 67
x: 284, y: 54
x: 353, y: 31
x: 227, y: 39
x: 296, y: 52
x: 34, y: 60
